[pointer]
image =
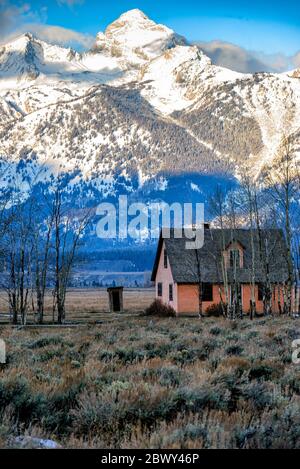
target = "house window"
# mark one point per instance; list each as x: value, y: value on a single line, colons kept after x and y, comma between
x: 207, y: 292
x: 260, y: 295
x: 165, y: 259
x: 235, y: 258
x: 171, y: 292
x: 159, y: 289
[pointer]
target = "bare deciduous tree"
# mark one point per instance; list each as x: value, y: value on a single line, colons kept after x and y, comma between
x: 281, y: 176
x: 67, y: 232
x: 18, y: 256
x: 218, y: 209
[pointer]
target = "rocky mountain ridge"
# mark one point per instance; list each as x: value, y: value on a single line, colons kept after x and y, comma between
x: 140, y: 108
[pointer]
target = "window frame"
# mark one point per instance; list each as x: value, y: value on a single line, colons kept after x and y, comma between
x: 205, y: 296
x: 260, y: 293
x: 231, y: 258
x: 159, y: 289
x: 171, y: 292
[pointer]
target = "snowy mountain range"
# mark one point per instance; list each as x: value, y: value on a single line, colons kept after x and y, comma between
x: 143, y: 110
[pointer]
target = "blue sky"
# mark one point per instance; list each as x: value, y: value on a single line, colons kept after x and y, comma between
x: 268, y: 27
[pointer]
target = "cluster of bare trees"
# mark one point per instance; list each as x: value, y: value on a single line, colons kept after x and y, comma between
x: 283, y: 179
x: 273, y: 202
x: 38, y: 242
x: 225, y: 211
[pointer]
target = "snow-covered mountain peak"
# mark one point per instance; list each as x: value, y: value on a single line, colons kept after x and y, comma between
x: 134, y: 39
x: 134, y: 15
x: 141, y: 104
x: 20, y: 42
x: 21, y: 58
x: 49, y: 51
x: 127, y: 44
x: 175, y: 80
x: 173, y: 75
x: 27, y: 57
x: 133, y: 21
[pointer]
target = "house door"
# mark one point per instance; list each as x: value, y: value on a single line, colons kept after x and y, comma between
x: 116, y: 301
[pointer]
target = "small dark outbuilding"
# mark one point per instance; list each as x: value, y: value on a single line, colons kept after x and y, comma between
x: 115, y: 295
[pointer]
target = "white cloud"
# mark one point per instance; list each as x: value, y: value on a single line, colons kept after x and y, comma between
x: 61, y: 36
x: 19, y: 19
x: 10, y: 15
x: 237, y: 58
x: 296, y: 60
x: 53, y: 35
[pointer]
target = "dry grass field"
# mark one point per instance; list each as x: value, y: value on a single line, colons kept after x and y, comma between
x: 91, y: 305
x: 142, y: 382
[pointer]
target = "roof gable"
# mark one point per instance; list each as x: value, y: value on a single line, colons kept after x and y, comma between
x: 157, y: 257
x: 234, y: 241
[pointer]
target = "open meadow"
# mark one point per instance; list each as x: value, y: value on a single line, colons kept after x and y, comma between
x: 87, y: 305
x: 141, y: 382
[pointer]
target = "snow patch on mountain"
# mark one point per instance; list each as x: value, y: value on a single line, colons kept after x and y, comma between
x: 175, y: 79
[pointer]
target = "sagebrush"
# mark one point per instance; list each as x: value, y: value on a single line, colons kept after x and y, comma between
x: 138, y: 382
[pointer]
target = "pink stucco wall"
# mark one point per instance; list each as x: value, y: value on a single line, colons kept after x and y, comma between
x: 187, y: 299
x: 164, y: 276
x: 277, y: 294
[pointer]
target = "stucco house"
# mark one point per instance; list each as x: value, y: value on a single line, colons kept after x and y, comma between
x: 176, y: 269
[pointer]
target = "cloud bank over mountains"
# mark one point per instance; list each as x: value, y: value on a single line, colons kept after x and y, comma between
x: 18, y: 18
x: 242, y: 60
x: 58, y: 35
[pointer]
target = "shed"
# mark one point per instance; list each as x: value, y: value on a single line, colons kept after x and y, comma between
x: 115, y: 295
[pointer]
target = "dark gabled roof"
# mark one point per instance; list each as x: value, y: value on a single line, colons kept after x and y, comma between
x: 234, y: 240
x: 183, y: 262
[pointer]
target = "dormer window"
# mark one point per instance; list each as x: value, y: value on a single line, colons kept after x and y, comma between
x: 234, y: 255
x: 235, y: 261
